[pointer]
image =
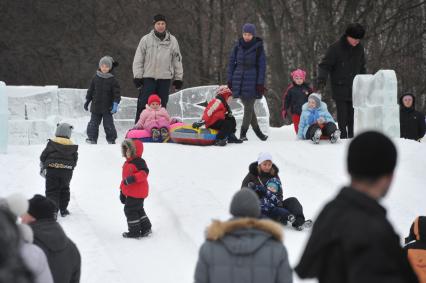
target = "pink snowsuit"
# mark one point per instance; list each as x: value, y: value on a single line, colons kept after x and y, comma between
x: 151, y: 118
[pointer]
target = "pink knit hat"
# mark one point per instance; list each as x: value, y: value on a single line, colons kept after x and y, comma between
x: 298, y: 74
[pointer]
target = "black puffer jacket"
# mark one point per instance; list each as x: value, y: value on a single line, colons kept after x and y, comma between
x: 62, y: 254
x: 296, y: 96
x: 412, y: 122
x: 342, y: 62
x: 259, y: 178
x: 59, y: 153
x: 103, y: 92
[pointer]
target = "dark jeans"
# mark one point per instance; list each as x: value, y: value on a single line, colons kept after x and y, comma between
x: 249, y: 117
x: 137, y: 220
x: 345, y: 118
x: 150, y: 86
x: 225, y: 127
x: 327, y: 130
x: 109, y: 128
x: 58, y: 186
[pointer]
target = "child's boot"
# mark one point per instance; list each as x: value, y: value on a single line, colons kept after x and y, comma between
x: 221, y: 142
x: 164, y: 134
x: 155, y: 133
x: 259, y: 134
x: 335, y: 136
x: 317, y: 136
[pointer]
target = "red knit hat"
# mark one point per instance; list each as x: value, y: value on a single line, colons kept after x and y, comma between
x: 154, y: 98
x: 224, y: 91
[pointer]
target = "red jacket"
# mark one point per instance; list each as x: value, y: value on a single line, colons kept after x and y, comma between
x: 216, y: 109
x: 135, y: 166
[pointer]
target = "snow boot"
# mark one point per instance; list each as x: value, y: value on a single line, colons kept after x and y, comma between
x: 134, y: 235
x: 64, y: 212
x: 221, y: 142
x: 317, y: 136
x: 243, y: 134
x: 259, y: 134
x: 164, y: 134
x: 335, y: 136
x: 156, y: 135
x: 305, y: 225
x: 111, y: 142
x: 89, y: 141
x: 233, y: 139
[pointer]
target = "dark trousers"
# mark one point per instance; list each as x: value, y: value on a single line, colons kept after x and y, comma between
x: 345, y: 118
x: 109, y: 128
x: 150, y: 86
x: 249, y: 117
x: 137, y: 220
x: 294, y: 207
x: 58, y: 186
x: 326, y: 130
x: 225, y: 127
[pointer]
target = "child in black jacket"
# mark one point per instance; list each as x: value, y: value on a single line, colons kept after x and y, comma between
x: 59, y: 159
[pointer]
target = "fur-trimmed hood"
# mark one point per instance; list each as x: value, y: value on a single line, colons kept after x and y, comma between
x: 244, y: 235
x: 135, y: 147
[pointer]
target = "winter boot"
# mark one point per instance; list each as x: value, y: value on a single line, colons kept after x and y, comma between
x: 64, y: 212
x: 164, y: 134
x: 259, y: 134
x: 335, y: 136
x: 134, y: 235
x: 111, y: 142
x: 305, y: 225
x: 221, y: 142
x: 243, y: 134
x: 156, y: 135
x: 317, y: 136
x: 233, y: 139
x: 89, y: 141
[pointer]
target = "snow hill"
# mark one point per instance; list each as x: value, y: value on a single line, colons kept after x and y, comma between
x: 190, y: 186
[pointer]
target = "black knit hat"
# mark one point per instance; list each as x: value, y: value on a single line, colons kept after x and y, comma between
x: 417, y: 230
x: 355, y: 30
x: 42, y: 208
x: 371, y: 155
x: 158, y: 18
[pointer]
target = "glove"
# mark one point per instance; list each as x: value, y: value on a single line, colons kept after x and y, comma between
x: 86, y: 105
x: 138, y: 82
x: 284, y: 114
x: 122, y: 197
x: 229, y: 85
x: 177, y: 84
x: 114, y: 108
x: 260, y: 89
x: 198, y: 124
x: 129, y: 180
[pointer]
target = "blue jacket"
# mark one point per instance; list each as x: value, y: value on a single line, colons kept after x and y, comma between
x: 247, y: 68
x: 309, y: 117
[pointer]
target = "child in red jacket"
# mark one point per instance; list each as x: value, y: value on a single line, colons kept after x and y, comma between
x: 218, y: 116
x: 134, y: 189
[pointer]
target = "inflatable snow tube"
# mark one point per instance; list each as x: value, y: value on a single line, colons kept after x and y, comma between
x: 186, y: 134
x: 145, y: 136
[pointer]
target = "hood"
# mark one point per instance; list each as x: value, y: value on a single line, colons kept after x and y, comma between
x: 413, y: 107
x: 244, y: 236
x: 135, y: 147
x: 417, y: 230
x: 253, y: 170
x: 49, y: 234
x: 63, y: 145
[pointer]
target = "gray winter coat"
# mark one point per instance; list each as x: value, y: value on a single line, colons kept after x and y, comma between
x: 243, y: 250
x: 36, y: 261
x: 158, y: 59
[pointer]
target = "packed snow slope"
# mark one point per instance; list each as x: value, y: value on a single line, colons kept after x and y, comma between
x: 190, y: 186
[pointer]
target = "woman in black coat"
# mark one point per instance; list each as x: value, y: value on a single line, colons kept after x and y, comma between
x: 412, y: 122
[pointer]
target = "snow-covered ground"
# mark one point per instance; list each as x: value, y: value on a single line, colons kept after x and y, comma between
x: 190, y: 186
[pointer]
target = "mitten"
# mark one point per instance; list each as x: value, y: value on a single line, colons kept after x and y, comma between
x: 198, y: 124
x: 86, y: 105
x: 177, y: 84
x: 260, y: 89
x: 138, y: 82
x: 129, y: 180
x: 122, y: 197
x: 114, y: 108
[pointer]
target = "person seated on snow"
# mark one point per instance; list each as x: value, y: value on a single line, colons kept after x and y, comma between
x: 412, y: 122
x: 58, y: 161
x: 415, y: 247
x: 263, y: 173
x: 316, y: 121
x: 218, y: 116
x: 155, y: 119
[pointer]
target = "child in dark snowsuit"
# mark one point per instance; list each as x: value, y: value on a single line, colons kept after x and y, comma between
x: 295, y: 96
x: 263, y: 173
x: 104, y: 93
x: 134, y: 189
x: 218, y: 116
x: 415, y: 247
x: 59, y: 159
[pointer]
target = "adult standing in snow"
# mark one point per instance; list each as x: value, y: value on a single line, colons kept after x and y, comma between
x: 343, y: 60
x: 246, y: 77
x: 412, y: 122
x: 244, y: 248
x: 62, y: 254
x: 157, y: 62
x: 352, y: 241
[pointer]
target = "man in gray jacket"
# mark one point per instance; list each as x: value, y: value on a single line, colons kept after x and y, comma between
x: 245, y: 248
x: 157, y: 62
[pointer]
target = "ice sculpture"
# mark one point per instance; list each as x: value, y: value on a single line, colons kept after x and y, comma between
x: 3, y: 118
x: 375, y: 103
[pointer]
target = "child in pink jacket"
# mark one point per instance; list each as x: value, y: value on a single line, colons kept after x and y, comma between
x: 155, y: 119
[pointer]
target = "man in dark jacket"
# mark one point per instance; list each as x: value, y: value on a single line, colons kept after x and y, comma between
x: 62, y: 254
x: 412, y: 122
x: 343, y: 60
x: 352, y: 241
x: 245, y: 248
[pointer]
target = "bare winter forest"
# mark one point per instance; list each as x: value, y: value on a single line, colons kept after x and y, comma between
x: 60, y: 42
